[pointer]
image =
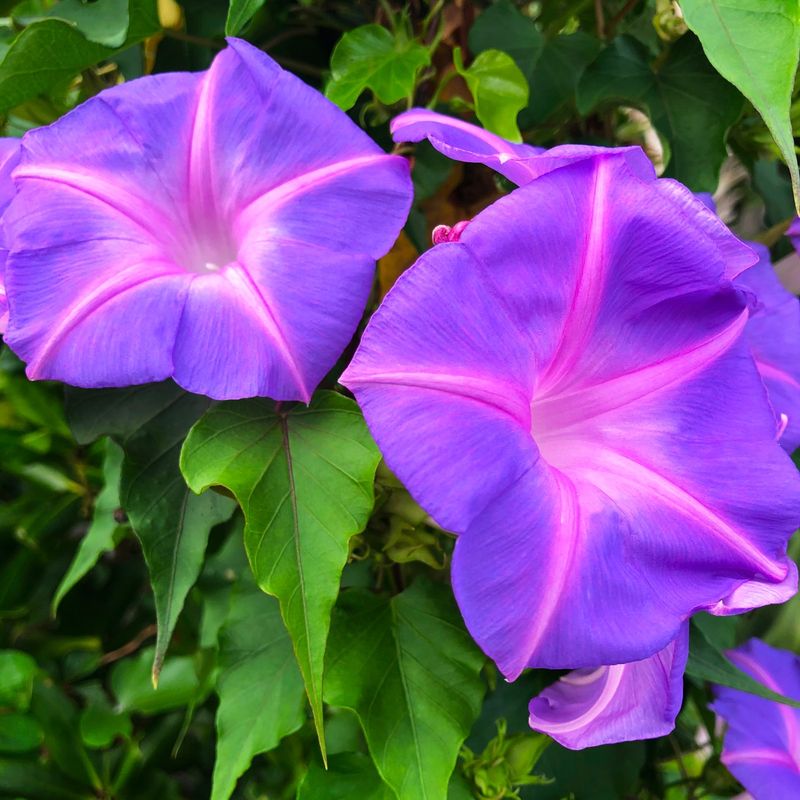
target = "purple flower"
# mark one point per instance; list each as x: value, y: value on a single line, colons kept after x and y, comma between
x: 762, y: 744
x: 621, y: 703
x: 9, y: 158
x: 218, y: 228
x: 568, y: 388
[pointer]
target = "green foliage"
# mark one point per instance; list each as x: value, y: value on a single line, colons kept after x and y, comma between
x: 556, y: 74
x: 105, y: 22
x: 333, y: 584
x: 171, y: 522
x: 707, y: 662
x: 47, y: 53
x: 498, y: 88
x: 503, y: 27
x: 240, y: 12
x: 689, y: 103
x: 304, y: 480
x: 371, y: 57
x: 419, y: 689
x: 104, y: 532
x: 755, y: 44
x: 349, y: 775
x: 260, y: 687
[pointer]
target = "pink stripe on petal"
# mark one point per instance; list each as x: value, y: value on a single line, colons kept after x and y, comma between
x: 588, y: 294
x: 606, y: 465
x: 760, y: 754
x: 503, y: 397
x: 127, y: 204
x: 255, y: 302
x: 200, y: 179
x: 775, y: 373
x: 258, y: 210
x: 418, y: 116
x: 559, y: 567
x: 554, y: 412
x: 86, y: 304
x: 610, y: 678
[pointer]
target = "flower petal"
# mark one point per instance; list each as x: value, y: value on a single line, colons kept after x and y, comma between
x: 436, y: 373
x: 765, y: 757
x: 620, y: 703
x: 463, y: 141
x: 520, y: 163
x: 9, y: 158
x: 774, y: 336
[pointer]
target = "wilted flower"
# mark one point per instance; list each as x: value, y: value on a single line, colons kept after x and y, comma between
x: 218, y: 228
x: 9, y: 158
x: 762, y: 743
x: 568, y: 388
x: 625, y: 702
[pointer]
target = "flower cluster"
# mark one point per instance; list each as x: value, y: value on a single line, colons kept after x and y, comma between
x: 577, y: 382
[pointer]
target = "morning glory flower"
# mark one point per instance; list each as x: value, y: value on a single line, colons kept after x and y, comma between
x: 774, y: 327
x: 620, y: 703
x: 762, y: 743
x: 9, y: 158
x: 218, y: 228
x: 567, y: 387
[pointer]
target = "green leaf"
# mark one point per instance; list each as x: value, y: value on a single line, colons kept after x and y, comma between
x: 418, y: 688
x: 609, y: 772
x: 498, y: 88
x: 260, y: 688
x: 502, y: 26
x: 171, y: 522
x: 178, y: 685
x: 100, y: 538
x: 49, y: 52
x: 104, y: 21
x: 59, y: 720
x: 370, y: 57
x: 33, y: 781
x: 100, y: 724
x: 240, y: 12
x: 349, y: 775
x: 19, y: 733
x: 304, y: 478
x: 707, y: 662
x: 688, y: 102
x: 755, y: 44
x: 556, y: 75
x: 17, y: 673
